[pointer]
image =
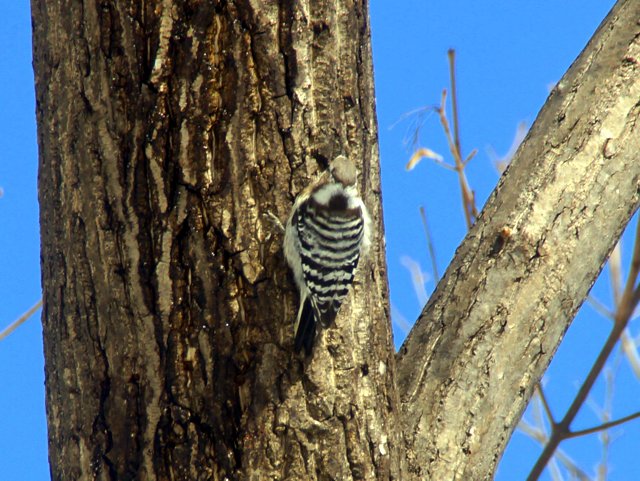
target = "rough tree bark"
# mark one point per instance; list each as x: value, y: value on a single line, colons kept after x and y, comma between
x: 167, y: 129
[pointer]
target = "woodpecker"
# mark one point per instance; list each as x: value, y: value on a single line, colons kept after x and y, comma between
x: 327, y: 233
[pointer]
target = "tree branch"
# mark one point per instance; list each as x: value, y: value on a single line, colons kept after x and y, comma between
x: 624, y: 310
x: 496, y: 318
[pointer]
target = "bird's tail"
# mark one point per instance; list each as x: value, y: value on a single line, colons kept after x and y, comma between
x: 306, y: 328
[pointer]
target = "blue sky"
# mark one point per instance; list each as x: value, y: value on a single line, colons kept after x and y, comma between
x: 509, y: 53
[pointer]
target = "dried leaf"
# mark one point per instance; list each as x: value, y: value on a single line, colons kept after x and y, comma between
x: 421, y: 153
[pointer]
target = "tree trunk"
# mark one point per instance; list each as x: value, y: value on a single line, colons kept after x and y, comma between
x: 167, y: 130
x: 468, y: 367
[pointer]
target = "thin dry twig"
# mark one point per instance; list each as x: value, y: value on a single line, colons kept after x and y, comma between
x: 469, y: 157
x: 15, y: 324
x: 604, y: 426
x: 630, y: 349
x: 629, y: 345
x: 545, y: 403
x: 502, y: 162
x: 467, y: 196
x: 453, y: 140
x: 451, y: 53
x: 538, y: 433
x: 600, y: 308
x: 430, y: 246
x: 615, y: 273
x: 417, y: 278
x: 572, y: 467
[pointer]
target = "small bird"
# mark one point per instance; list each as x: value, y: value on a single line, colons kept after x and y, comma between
x: 327, y: 233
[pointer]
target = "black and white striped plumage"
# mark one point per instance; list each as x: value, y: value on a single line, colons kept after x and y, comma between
x: 326, y: 235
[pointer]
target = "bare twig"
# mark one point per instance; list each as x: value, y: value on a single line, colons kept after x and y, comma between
x: 536, y: 430
x: 465, y: 192
x: 604, y: 426
x: 453, y: 139
x: 600, y: 308
x: 469, y: 157
x: 615, y: 273
x: 538, y: 433
x: 533, y: 432
x: 451, y: 53
x: 630, y: 349
x: 501, y: 163
x: 629, y: 346
x: 432, y: 250
x: 417, y: 278
x: 572, y: 467
x: 399, y: 320
x: 15, y: 324
x: 545, y: 403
